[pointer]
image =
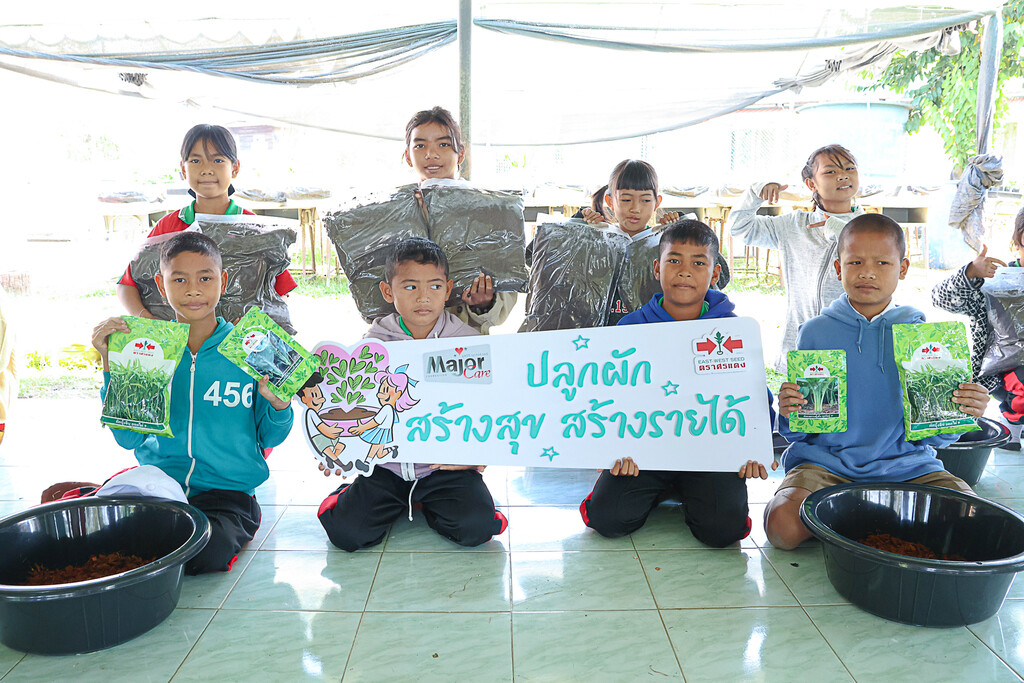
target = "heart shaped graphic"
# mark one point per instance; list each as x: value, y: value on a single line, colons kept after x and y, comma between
x: 349, y: 373
x: 460, y: 350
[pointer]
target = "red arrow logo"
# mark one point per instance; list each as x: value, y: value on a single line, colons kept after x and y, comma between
x: 706, y: 346
x: 732, y: 344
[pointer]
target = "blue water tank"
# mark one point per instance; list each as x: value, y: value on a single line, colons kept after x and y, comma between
x: 873, y: 131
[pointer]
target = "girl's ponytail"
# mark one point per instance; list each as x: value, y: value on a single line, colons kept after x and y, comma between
x: 597, y: 200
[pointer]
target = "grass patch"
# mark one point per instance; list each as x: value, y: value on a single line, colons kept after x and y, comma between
x: 319, y: 286
x: 109, y: 290
x: 753, y: 282
x: 61, y: 385
x: 774, y: 379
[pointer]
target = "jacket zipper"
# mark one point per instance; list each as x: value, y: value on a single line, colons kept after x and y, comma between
x: 191, y: 403
x: 821, y: 276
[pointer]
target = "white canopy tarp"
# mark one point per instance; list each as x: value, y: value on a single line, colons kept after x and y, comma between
x: 543, y: 73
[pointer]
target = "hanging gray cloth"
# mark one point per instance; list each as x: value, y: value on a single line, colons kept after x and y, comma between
x: 254, y: 252
x: 965, y: 214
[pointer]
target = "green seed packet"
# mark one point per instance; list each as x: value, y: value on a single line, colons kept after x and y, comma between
x: 821, y: 377
x: 933, y: 359
x: 261, y: 347
x: 142, y: 363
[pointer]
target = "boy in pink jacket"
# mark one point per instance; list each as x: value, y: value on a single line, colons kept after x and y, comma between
x: 456, y: 502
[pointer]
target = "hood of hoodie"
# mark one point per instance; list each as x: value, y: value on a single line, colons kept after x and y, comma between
x: 718, y: 303
x: 842, y: 311
x: 221, y: 331
x: 389, y: 328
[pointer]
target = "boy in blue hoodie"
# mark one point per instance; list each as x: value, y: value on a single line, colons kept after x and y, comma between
x: 222, y: 418
x: 714, y: 503
x: 874, y: 448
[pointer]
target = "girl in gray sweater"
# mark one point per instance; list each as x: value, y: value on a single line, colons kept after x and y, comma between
x: 806, y: 240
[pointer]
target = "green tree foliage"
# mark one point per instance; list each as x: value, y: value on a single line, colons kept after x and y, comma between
x: 944, y: 89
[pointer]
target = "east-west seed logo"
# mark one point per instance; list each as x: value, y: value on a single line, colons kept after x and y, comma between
x: 463, y: 364
x: 144, y: 347
x: 931, y: 351
x: 716, y: 353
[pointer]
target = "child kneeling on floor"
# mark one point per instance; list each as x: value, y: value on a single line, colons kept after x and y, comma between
x: 874, y: 448
x: 455, y: 499
x: 714, y: 503
x: 217, y: 453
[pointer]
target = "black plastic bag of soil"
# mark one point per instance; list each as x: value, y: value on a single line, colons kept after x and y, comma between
x: 254, y: 250
x: 1004, y: 301
x: 363, y: 238
x: 479, y: 231
x: 572, y: 276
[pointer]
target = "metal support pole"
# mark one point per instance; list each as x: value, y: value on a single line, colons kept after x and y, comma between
x: 988, y: 78
x: 465, y: 28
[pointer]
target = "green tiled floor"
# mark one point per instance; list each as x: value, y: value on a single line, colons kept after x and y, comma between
x: 548, y: 600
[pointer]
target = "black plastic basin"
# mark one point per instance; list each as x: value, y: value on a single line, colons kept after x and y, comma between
x: 968, y: 456
x: 941, y: 593
x: 93, y: 615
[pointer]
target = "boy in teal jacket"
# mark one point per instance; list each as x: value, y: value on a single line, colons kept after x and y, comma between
x: 222, y: 419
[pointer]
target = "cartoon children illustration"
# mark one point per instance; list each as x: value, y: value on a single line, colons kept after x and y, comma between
x: 393, y: 394
x: 325, y: 439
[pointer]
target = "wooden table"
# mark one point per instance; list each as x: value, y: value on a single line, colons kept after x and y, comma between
x: 147, y: 213
x: 311, y: 229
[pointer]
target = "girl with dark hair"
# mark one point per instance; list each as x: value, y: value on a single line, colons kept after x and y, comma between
x: 209, y: 162
x: 630, y: 198
x: 633, y: 187
x: 961, y: 293
x: 806, y: 240
x: 434, y: 149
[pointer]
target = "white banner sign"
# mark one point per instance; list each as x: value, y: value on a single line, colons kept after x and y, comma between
x: 673, y: 396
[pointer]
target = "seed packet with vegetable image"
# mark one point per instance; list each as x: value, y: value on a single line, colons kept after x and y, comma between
x: 142, y: 363
x: 933, y: 359
x: 821, y: 376
x: 261, y: 347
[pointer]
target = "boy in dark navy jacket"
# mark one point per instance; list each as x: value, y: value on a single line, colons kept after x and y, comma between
x: 714, y: 503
